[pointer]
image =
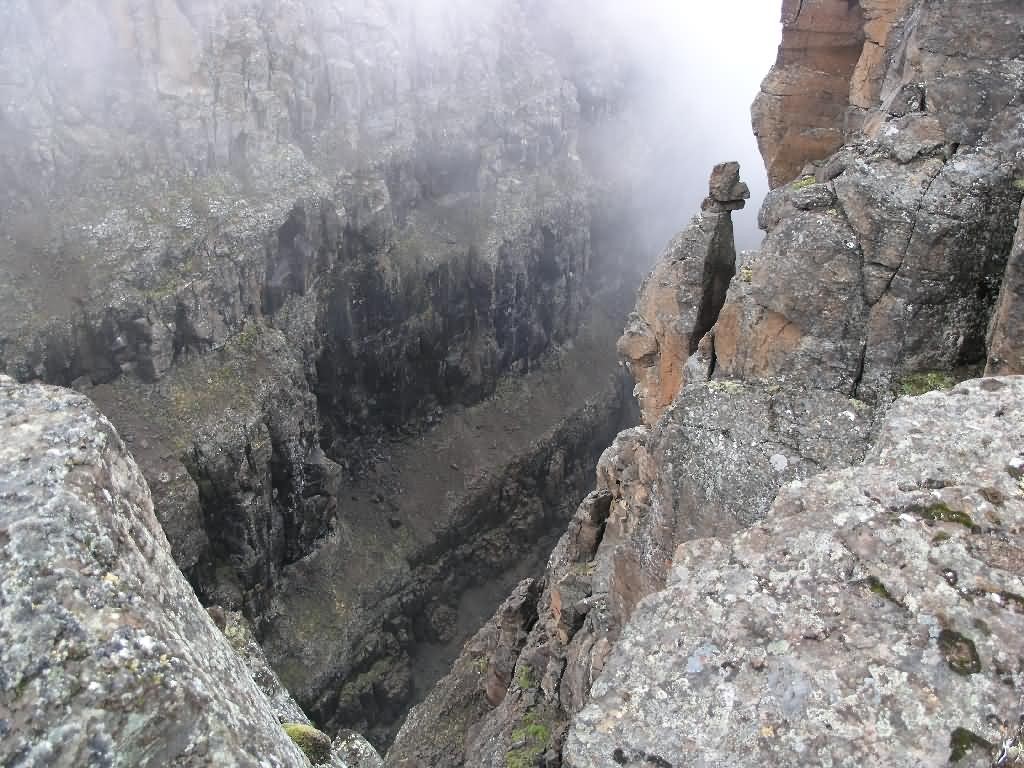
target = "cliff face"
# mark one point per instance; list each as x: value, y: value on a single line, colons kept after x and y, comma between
x: 269, y: 238
x: 887, y: 257
x: 727, y: 591
x: 879, y: 597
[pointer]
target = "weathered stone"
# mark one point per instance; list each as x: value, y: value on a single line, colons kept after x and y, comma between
x: 681, y: 299
x: 725, y: 190
x: 897, y: 274
x: 799, y: 114
x: 239, y: 634
x: 106, y: 656
x: 1006, y: 343
x: 759, y: 649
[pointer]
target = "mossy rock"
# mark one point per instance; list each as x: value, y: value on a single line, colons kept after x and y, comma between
x: 963, y: 742
x: 942, y: 513
x: 916, y: 384
x: 315, y: 744
x: 804, y: 183
x: 524, y: 677
x: 959, y: 652
x: 529, y: 741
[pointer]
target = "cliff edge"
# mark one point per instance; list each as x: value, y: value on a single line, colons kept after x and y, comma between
x: 781, y: 566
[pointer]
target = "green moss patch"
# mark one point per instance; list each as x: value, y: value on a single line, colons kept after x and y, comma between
x: 921, y: 383
x: 963, y: 742
x: 959, y: 652
x: 941, y: 513
x: 524, y: 677
x: 529, y: 741
x: 878, y: 588
x: 315, y: 744
x: 804, y: 183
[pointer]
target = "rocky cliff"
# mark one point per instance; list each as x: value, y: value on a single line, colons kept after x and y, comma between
x: 781, y: 567
x: 273, y: 240
x: 107, y: 656
x: 871, y: 618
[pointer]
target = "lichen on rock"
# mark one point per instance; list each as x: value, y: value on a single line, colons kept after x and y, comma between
x: 766, y: 649
x: 106, y: 655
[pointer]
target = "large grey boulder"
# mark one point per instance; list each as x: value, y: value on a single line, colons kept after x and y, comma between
x: 874, y: 617
x: 106, y: 656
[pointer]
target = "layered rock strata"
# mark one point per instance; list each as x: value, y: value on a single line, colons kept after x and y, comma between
x: 266, y: 238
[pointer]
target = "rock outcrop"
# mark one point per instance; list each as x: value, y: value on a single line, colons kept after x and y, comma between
x: 681, y: 299
x: 886, y: 259
x: 874, y: 617
x: 836, y: 64
x: 106, y: 656
x: 800, y: 114
x: 706, y: 589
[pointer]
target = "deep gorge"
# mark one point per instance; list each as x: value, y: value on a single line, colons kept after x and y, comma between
x: 346, y: 400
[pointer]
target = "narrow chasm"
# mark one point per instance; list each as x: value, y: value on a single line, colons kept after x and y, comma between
x: 438, y: 517
x: 393, y: 484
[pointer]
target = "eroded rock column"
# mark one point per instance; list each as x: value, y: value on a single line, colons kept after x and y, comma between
x: 680, y: 301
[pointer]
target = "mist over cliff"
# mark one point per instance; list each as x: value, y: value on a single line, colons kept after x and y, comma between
x: 690, y: 71
x: 682, y: 74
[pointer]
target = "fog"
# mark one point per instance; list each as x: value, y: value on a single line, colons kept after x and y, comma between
x: 687, y: 70
x: 698, y: 67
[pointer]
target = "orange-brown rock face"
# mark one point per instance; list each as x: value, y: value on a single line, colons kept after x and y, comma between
x: 880, y: 18
x: 830, y: 70
x: 679, y: 302
x: 800, y: 113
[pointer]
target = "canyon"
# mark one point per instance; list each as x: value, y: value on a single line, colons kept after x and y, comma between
x: 336, y: 290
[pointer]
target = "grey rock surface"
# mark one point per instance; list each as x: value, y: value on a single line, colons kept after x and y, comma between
x: 900, y: 272
x: 873, y: 618
x: 106, y: 656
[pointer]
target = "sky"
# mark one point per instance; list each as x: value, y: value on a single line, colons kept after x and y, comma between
x: 704, y: 62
